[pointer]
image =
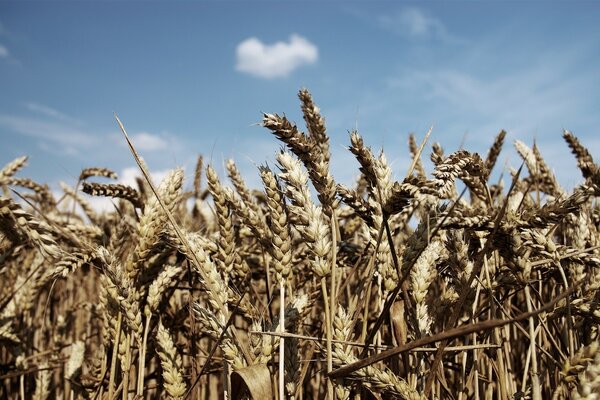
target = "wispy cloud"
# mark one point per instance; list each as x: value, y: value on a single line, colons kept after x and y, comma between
x: 276, y: 60
x: 4, y: 53
x: 48, y: 111
x: 522, y: 101
x: 50, y: 133
x: 416, y: 23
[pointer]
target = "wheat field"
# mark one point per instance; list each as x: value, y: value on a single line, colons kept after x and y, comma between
x: 446, y: 285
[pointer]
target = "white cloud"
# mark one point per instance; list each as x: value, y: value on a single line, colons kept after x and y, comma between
x: 413, y: 22
x: 4, y: 52
x: 145, y: 141
x: 276, y: 60
x: 128, y: 176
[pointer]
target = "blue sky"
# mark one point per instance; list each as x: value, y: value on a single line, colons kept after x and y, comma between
x: 190, y: 78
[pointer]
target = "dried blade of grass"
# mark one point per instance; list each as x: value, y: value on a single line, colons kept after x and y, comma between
x: 412, y: 147
x: 449, y: 334
x: 176, y: 227
x: 373, y: 346
x: 252, y: 382
x: 417, y: 156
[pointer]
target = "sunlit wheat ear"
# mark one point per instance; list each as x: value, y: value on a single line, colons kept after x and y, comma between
x: 27, y: 225
x: 214, y: 317
x: 281, y: 242
x: 527, y: 154
x: 585, y: 162
x: 159, y: 286
x: 11, y: 168
x: 227, y: 256
x: 215, y: 285
x: 254, y: 220
x: 71, y: 263
x: 171, y: 363
x: 469, y: 167
x: 546, y: 179
x: 318, y: 162
x: 240, y: 186
x: 127, y: 295
x: 437, y: 154
x: 584, y: 370
x: 383, y: 174
x: 44, y: 196
x: 494, y: 151
x: 422, y: 275
x: 315, y: 123
x: 153, y: 221
x: 296, y: 184
x: 360, y: 206
x: 309, y: 153
x: 365, y: 157
x: 311, y: 218
x: 198, y: 177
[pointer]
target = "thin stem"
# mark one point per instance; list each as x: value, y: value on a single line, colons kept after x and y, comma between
x: 142, y: 360
x: 113, y: 361
x: 127, y: 370
x: 535, y: 380
x: 328, y: 328
x: 282, y: 340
